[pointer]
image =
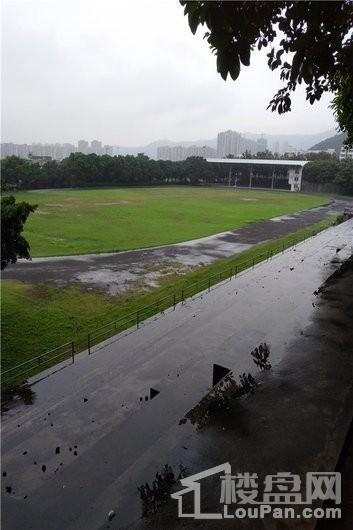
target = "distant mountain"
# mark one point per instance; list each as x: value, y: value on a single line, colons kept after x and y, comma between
x: 334, y: 142
x: 151, y: 149
x: 299, y: 141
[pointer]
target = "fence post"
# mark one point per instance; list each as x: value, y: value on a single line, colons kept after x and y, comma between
x: 253, y: 262
x: 73, y: 352
x: 282, y: 248
x: 236, y: 270
x: 174, y: 301
x: 137, y: 319
x: 182, y: 296
x: 89, y: 343
x: 230, y: 273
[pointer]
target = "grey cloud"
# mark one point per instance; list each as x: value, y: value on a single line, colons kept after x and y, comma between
x: 128, y: 73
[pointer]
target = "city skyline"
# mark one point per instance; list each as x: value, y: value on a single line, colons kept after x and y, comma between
x: 229, y: 142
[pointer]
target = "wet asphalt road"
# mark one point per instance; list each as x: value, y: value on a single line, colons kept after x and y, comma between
x: 111, y: 441
x: 114, y: 273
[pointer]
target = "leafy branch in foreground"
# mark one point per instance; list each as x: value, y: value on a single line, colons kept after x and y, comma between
x: 310, y: 42
x: 13, y: 217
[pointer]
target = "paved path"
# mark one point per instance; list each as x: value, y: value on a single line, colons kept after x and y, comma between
x: 98, y: 438
x: 115, y: 272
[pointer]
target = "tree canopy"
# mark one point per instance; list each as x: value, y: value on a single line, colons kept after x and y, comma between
x: 85, y: 171
x: 79, y: 170
x: 13, y: 217
x: 310, y: 42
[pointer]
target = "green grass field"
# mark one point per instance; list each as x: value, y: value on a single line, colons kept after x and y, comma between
x: 36, y: 318
x: 105, y: 220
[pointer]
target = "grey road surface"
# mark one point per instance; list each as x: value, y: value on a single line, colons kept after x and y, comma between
x: 90, y: 437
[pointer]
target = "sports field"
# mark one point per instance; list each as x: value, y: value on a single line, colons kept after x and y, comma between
x: 39, y: 317
x: 71, y: 222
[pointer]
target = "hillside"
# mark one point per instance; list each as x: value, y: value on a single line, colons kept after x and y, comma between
x: 334, y: 142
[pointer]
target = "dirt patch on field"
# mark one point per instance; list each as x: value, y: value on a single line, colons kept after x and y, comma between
x: 116, y: 281
x: 115, y: 203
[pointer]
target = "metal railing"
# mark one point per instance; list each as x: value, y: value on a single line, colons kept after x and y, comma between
x: 135, y: 319
x: 61, y: 353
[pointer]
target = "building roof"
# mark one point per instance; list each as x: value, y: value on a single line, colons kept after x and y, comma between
x: 255, y: 161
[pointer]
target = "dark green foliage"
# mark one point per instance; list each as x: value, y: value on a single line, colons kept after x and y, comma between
x: 13, y: 217
x: 336, y: 172
x: 342, y: 104
x: 85, y: 171
x: 315, y: 46
x: 334, y: 142
x: 344, y: 178
x: 79, y: 170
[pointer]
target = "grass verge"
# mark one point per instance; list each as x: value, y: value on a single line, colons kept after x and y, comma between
x: 37, y: 318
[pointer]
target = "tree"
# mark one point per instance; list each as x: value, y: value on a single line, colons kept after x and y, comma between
x: 344, y: 178
x: 342, y: 106
x: 13, y: 169
x: 13, y: 217
x: 311, y: 42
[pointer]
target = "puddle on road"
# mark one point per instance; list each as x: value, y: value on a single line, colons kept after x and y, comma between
x: 158, y: 493
x: 283, y: 218
x: 226, y: 387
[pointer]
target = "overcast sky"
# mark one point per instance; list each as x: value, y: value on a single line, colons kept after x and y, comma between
x: 128, y: 72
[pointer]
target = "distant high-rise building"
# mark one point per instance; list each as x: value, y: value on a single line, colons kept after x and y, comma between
x: 275, y: 147
x: 285, y: 147
x: 108, y: 150
x: 96, y: 147
x: 261, y: 145
x: 164, y: 152
x: 233, y: 143
x: 228, y: 143
x: 178, y: 153
x: 8, y: 149
x: 82, y: 146
x: 68, y: 149
x: 58, y: 151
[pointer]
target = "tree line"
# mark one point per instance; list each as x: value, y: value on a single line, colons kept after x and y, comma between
x: 336, y: 172
x: 79, y: 170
